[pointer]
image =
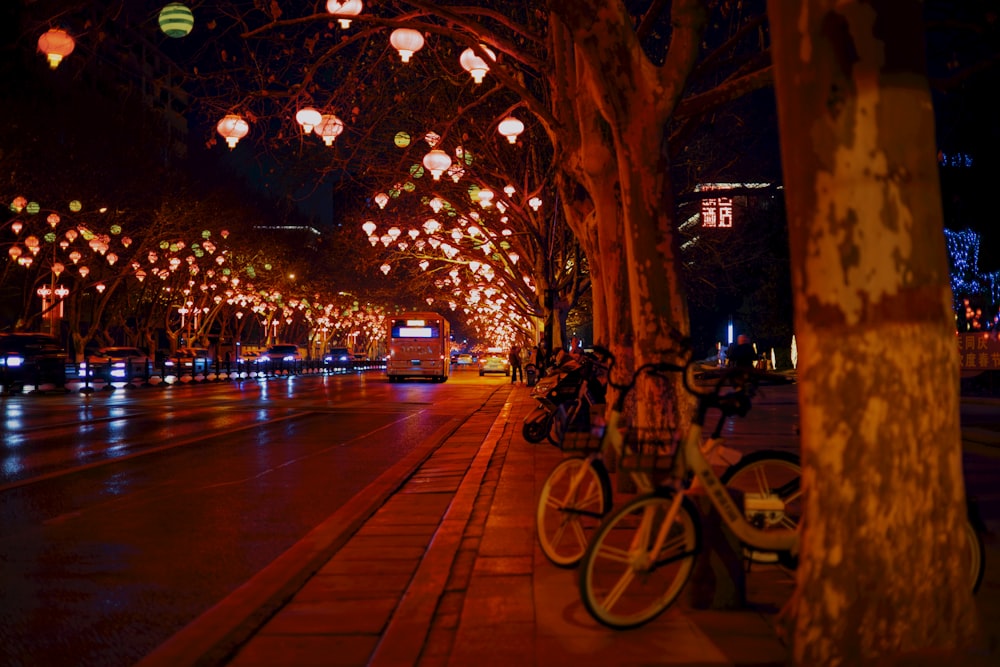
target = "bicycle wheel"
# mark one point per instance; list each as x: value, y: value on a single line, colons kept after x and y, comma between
x: 770, y: 482
x: 624, y: 584
x: 976, y: 555
x: 574, y: 498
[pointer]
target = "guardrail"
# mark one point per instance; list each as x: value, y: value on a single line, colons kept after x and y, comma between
x: 112, y: 375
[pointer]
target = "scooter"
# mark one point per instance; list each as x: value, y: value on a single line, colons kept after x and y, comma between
x: 560, y: 393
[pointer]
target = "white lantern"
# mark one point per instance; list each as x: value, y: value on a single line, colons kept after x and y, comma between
x: 407, y: 41
x: 329, y: 128
x: 232, y: 128
x: 381, y: 199
x: 385, y: 268
x: 369, y: 227
x: 510, y: 127
x: 475, y: 65
x: 344, y: 9
x: 436, y: 162
x: 308, y: 118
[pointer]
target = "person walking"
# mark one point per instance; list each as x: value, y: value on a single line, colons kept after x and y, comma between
x: 515, y: 364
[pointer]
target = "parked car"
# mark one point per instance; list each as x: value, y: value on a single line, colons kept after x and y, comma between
x: 494, y: 363
x: 117, y: 363
x: 339, y: 358
x: 34, y: 359
x: 190, y: 360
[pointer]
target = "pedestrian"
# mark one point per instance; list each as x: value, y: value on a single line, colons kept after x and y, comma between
x: 742, y: 354
x: 515, y: 364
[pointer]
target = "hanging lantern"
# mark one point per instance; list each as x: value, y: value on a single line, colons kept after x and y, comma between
x: 431, y: 226
x: 329, y: 128
x: 14, y: 251
x: 100, y: 287
x: 84, y: 271
x: 16, y: 226
x: 475, y: 65
x: 176, y: 20
x: 402, y: 139
x: 369, y: 227
x: 534, y: 203
x: 510, y: 127
x: 344, y: 9
x: 485, y: 197
x: 232, y: 128
x: 308, y: 118
x: 53, y: 220
x: 394, y: 232
x: 437, y: 161
x: 385, y: 268
x: 381, y: 199
x: 514, y: 257
x: 407, y: 41
x: 18, y: 204
x: 56, y: 44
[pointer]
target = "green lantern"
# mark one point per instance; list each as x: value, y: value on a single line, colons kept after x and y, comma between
x: 416, y: 171
x: 206, y: 234
x: 75, y: 206
x: 33, y: 207
x: 116, y: 229
x: 402, y: 139
x: 176, y: 20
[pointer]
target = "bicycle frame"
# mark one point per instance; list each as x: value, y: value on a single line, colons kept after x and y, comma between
x: 691, y: 465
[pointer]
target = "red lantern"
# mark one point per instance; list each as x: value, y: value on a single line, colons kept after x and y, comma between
x: 56, y: 44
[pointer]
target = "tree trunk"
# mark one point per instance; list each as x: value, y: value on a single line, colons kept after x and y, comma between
x: 881, y: 568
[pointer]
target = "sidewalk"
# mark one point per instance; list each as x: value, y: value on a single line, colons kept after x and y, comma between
x: 445, y: 571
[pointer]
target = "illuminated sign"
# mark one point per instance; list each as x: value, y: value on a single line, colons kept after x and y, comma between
x: 717, y: 212
x: 979, y: 351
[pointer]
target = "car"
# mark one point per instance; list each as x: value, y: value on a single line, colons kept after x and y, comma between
x: 339, y: 358
x: 117, y: 363
x: 494, y: 363
x: 465, y: 360
x: 33, y: 359
x: 190, y: 359
x: 277, y: 353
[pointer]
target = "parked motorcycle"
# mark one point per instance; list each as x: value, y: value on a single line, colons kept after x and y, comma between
x: 561, y: 393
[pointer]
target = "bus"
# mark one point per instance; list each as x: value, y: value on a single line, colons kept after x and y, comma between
x: 419, y: 347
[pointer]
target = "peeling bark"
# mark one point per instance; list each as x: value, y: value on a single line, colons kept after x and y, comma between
x: 881, y: 571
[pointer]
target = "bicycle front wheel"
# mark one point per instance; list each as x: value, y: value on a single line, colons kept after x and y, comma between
x: 629, y: 575
x: 574, y: 498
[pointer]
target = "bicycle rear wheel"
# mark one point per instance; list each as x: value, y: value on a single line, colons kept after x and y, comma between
x: 770, y: 482
x: 574, y: 498
x: 623, y: 583
x: 976, y: 555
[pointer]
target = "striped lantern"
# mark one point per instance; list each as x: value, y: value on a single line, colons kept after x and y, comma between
x: 176, y: 20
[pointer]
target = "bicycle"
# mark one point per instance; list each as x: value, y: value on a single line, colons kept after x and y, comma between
x: 641, y: 557
x: 577, y: 494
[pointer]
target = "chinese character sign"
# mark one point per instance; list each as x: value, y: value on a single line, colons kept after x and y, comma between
x: 979, y: 352
x: 717, y: 212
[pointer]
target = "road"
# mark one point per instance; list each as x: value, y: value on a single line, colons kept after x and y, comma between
x: 124, y: 515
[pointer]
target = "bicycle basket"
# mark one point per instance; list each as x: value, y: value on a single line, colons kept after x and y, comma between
x: 647, y: 451
x: 584, y: 435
